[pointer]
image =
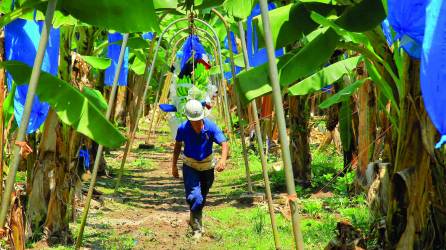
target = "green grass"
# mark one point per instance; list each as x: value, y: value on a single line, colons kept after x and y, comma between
x: 312, y: 207
x: 142, y: 163
x: 246, y: 228
x: 102, y: 235
x: 250, y: 228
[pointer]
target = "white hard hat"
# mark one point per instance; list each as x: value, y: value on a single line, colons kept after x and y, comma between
x: 194, y: 110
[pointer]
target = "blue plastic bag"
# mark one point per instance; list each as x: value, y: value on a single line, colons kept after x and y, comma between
x: 21, y: 43
x: 168, y: 108
x: 433, y: 66
x: 407, y: 18
x: 190, y: 46
x: 85, y: 156
x: 257, y: 56
x: 113, y: 53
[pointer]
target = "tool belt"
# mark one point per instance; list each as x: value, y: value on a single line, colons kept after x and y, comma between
x: 205, y: 164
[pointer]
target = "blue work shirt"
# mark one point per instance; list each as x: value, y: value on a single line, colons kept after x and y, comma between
x: 199, y: 146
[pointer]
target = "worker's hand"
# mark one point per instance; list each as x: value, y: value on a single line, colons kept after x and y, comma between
x: 221, y: 165
x: 175, y: 173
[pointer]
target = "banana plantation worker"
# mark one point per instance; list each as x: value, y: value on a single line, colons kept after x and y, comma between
x: 198, y: 135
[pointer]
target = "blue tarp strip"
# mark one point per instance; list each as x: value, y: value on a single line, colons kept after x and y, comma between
x: 85, y: 156
x: 21, y: 43
x: 257, y: 56
x: 113, y: 54
x: 433, y: 74
x: 148, y: 36
x: 407, y: 18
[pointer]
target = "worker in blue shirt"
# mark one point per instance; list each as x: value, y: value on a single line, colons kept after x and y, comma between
x: 198, y: 135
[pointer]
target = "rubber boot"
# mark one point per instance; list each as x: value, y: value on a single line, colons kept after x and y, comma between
x: 199, y: 218
x: 195, y: 223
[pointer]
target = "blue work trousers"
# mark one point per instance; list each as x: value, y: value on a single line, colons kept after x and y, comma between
x: 197, y: 185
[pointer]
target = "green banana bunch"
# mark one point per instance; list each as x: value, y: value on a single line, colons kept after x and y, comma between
x: 201, y: 77
x: 182, y: 88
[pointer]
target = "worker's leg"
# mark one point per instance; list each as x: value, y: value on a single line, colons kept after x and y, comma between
x: 192, y: 187
x: 206, y: 180
x: 193, y: 196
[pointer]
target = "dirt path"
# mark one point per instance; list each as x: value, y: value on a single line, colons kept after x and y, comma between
x: 151, y: 208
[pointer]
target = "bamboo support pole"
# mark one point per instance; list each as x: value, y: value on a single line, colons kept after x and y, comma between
x: 2, y: 134
x: 281, y: 123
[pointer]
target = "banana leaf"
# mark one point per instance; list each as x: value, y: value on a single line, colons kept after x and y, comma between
x: 239, y: 9
x: 5, y: 6
x: 72, y: 107
x: 123, y: 16
x: 239, y: 61
x: 25, y: 8
x: 165, y: 4
x: 60, y: 20
x: 343, y: 94
x: 324, y: 77
x: 347, y: 35
x: 309, y: 58
x: 215, y: 70
x: 255, y: 82
x: 97, y: 62
x: 199, y: 5
x: 382, y: 84
x: 96, y: 98
x: 139, y: 63
x: 135, y: 43
x: 291, y: 22
x: 363, y: 16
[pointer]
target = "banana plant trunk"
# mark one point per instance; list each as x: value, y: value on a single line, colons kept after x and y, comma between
x: 121, y: 106
x: 299, y: 114
x: 366, y: 128
x: 52, y: 176
x: 416, y: 217
x: 50, y: 186
x: 135, y: 88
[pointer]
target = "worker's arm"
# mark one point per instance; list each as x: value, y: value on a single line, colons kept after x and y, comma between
x: 176, y: 154
x: 221, y: 165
